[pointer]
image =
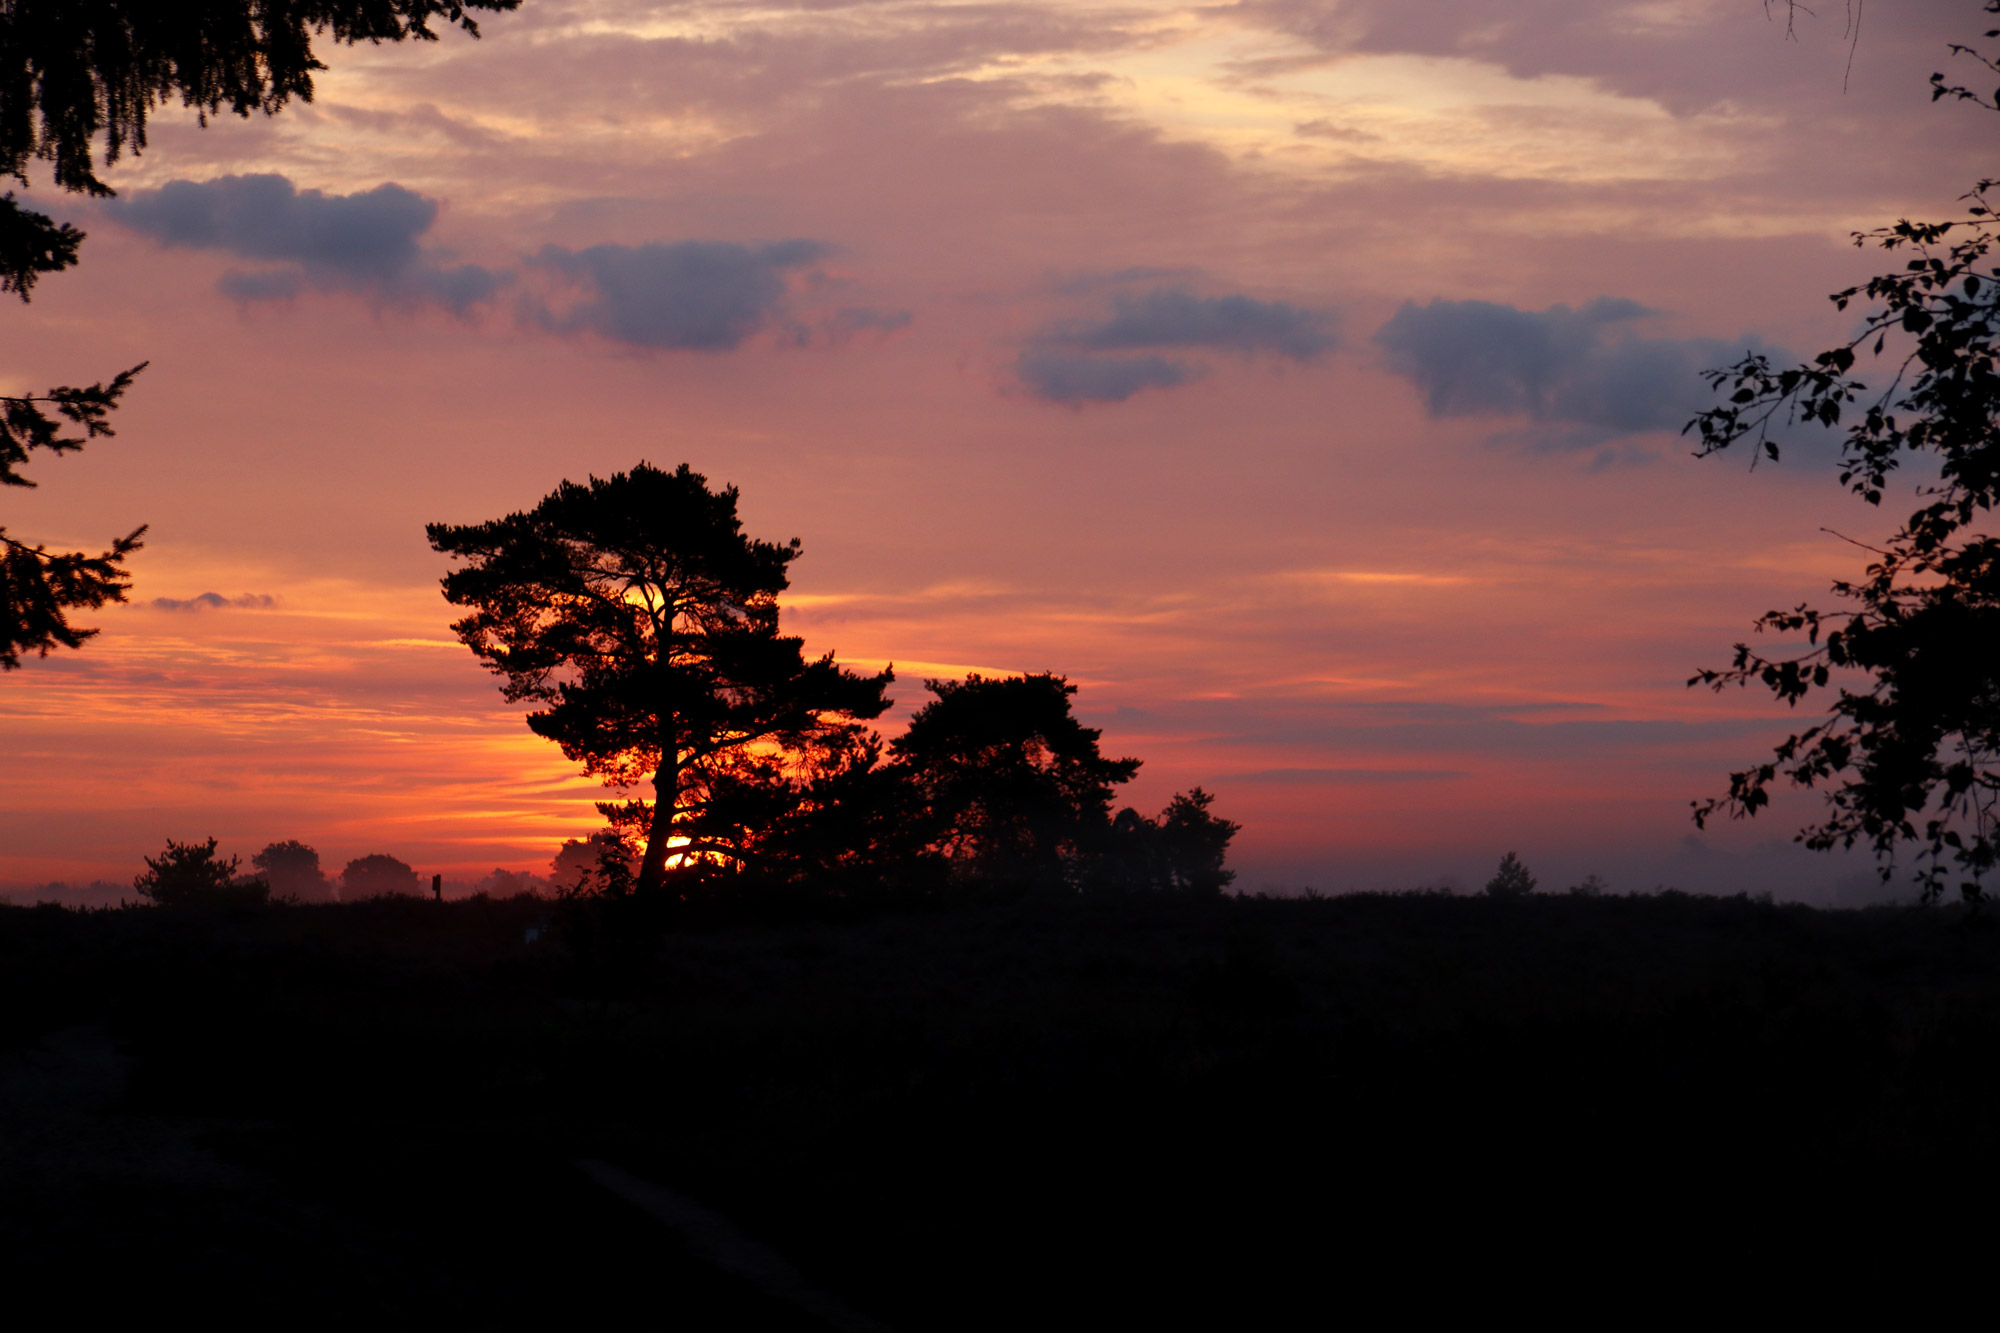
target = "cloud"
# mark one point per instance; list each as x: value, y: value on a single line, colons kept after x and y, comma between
x: 689, y: 295
x: 1176, y: 317
x: 701, y: 295
x: 1579, y: 368
x: 365, y: 242
x: 850, y: 320
x: 1070, y: 377
x: 215, y: 601
x: 1067, y: 362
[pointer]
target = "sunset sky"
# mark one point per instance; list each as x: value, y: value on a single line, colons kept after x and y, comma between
x: 1302, y: 378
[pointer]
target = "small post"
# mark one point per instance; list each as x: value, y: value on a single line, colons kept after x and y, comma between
x: 437, y: 887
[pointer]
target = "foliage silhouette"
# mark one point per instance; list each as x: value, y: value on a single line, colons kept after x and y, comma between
x: 579, y: 860
x: 189, y: 874
x: 637, y: 614
x: 38, y: 587
x: 1009, y: 786
x: 71, y: 70
x: 1914, y: 756
x: 1196, y: 843
x: 378, y: 876
x: 1182, y: 850
x: 292, y: 869
x: 32, y: 244
x: 1511, y: 880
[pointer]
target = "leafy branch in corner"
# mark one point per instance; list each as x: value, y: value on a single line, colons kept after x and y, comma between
x: 77, y: 73
x: 1914, y: 756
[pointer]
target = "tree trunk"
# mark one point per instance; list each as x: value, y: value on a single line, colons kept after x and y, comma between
x: 666, y: 799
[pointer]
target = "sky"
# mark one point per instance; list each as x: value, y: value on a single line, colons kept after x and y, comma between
x: 1300, y: 378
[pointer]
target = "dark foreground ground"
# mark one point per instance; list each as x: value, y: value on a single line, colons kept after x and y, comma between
x: 1235, y: 1113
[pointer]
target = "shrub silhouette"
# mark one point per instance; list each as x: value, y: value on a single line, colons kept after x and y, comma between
x: 190, y: 874
x: 1512, y: 880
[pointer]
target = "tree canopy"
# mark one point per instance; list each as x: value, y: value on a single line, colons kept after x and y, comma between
x: 641, y: 620
x: 71, y: 70
x: 1912, y: 756
x: 377, y: 875
x: 293, y: 871
x: 1008, y: 779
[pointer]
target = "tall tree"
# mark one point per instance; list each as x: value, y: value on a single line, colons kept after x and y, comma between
x: 1911, y: 756
x: 70, y: 72
x: 642, y: 620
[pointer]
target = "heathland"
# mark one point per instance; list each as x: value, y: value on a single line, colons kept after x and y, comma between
x: 1084, y: 1111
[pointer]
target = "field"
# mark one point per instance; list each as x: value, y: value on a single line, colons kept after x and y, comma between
x: 1068, y: 1113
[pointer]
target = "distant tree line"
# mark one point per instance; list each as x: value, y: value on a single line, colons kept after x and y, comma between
x: 193, y: 874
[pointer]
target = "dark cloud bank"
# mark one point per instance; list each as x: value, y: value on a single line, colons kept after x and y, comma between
x: 1582, y: 372
x: 696, y: 295
x: 215, y: 601
x: 366, y: 242
x: 683, y: 295
x: 1109, y: 360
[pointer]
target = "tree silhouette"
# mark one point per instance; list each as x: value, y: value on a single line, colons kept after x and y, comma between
x: 190, y: 874
x: 71, y: 70
x: 1511, y: 880
x: 378, y: 876
x: 1196, y: 843
x: 293, y: 871
x: 1011, y: 786
x: 1182, y: 850
x: 1914, y: 755
x: 644, y: 623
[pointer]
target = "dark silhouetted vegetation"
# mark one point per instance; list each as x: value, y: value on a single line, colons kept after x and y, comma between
x: 292, y: 870
x: 1135, y: 1110
x: 377, y: 875
x: 642, y: 621
x: 1912, y: 757
x: 70, y: 72
x: 1009, y: 785
x: 39, y: 587
x: 190, y: 874
x: 1511, y: 880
